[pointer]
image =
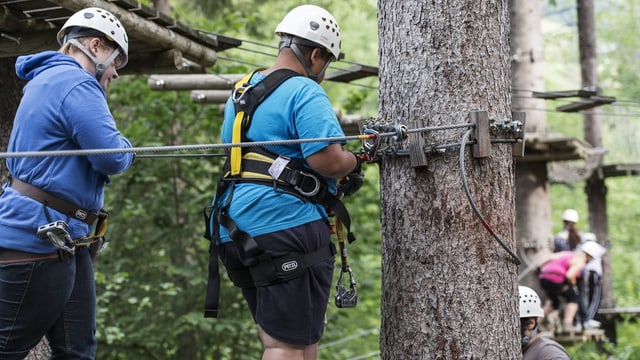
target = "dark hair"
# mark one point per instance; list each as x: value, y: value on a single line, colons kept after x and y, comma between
x: 574, y: 238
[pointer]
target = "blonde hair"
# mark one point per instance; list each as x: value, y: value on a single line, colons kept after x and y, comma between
x: 68, y: 46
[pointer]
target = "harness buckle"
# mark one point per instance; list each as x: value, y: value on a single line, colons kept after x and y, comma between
x: 315, y: 189
x: 238, y: 93
x: 57, y: 233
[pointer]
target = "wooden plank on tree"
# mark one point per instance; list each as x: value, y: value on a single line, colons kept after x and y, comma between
x: 482, y: 146
x: 518, y: 148
x: 551, y: 95
x: 555, y: 148
x: 353, y: 73
x: 621, y: 170
x: 586, y: 104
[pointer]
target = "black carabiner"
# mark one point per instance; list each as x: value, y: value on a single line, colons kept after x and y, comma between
x: 346, y: 298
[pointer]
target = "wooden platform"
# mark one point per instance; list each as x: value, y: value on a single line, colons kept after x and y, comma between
x: 573, y: 337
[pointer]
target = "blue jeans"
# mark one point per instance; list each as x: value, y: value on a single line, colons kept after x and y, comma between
x: 56, y: 298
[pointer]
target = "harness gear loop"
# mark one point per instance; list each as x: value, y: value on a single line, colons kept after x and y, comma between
x: 344, y: 298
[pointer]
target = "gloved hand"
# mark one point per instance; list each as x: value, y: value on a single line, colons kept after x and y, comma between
x: 351, y: 183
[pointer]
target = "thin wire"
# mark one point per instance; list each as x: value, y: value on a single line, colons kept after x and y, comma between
x: 138, y: 150
x: 169, y: 156
x: 441, y: 127
x: 187, y: 147
x: 465, y: 185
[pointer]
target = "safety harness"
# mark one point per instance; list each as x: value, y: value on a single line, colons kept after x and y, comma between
x: 259, y: 166
x: 56, y: 232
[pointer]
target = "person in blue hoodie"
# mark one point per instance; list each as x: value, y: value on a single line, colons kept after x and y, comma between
x: 51, y: 203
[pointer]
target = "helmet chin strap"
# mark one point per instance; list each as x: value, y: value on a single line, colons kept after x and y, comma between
x: 288, y: 42
x: 100, y: 66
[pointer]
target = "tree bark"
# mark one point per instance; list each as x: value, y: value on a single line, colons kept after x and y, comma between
x: 595, y: 186
x: 533, y: 202
x: 447, y: 285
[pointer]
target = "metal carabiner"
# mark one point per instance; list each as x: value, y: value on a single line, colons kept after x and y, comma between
x: 315, y: 189
x: 346, y: 298
x: 371, y: 145
x: 238, y: 93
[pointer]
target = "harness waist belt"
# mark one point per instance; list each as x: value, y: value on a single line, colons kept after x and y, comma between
x: 14, y: 256
x: 54, y: 202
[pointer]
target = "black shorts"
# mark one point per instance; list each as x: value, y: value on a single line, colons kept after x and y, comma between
x: 554, y: 291
x: 293, y: 311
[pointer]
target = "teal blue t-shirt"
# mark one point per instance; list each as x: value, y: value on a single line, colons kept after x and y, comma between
x: 298, y: 109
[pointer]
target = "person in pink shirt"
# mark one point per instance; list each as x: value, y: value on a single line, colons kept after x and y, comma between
x: 558, y: 277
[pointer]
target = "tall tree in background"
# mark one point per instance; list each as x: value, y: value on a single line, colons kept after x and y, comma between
x: 595, y: 186
x: 447, y: 285
x: 533, y: 202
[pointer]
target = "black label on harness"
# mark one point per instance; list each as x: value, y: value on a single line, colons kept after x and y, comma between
x: 290, y: 265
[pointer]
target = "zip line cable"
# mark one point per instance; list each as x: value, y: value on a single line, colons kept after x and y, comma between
x: 399, y: 133
x: 87, y: 152
x: 139, y: 151
x: 465, y: 185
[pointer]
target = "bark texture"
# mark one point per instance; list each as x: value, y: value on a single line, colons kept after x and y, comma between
x: 449, y: 289
x: 533, y: 202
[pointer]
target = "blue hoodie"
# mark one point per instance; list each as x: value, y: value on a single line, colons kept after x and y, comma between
x: 63, y: 108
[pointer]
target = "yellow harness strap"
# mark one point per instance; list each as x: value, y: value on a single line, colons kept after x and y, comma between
x: 236, y: 136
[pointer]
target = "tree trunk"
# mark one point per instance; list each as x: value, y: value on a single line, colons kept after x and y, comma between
x: 533, y: 202
x: 447, y: 285
x: 595, y: 186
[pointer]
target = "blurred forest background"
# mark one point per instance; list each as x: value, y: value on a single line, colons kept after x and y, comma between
x: 152, y: 279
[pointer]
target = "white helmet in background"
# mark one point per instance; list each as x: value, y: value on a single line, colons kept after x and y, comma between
x: 314, y: 24
x: 95, y: 21
x: 570, y: 215
x: 594, y: 249
x: 588, y: 236
x: 530, y: 304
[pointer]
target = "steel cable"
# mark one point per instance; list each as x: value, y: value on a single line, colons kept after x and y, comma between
x: 465, y: 185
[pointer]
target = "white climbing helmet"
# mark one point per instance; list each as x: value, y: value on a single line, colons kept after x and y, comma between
x: 594, y: 249
x: 588, y: 236
x: 570, y: 215
x: 314, y: 24
x: 99, y: 20
x: 530, y: 305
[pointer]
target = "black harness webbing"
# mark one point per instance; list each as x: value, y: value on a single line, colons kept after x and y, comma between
x: 253, y: 166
